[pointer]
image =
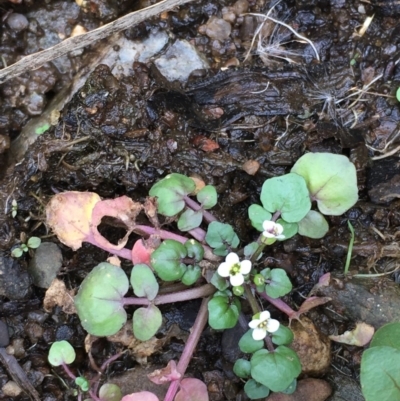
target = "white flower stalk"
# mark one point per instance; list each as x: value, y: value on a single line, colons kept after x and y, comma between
x: 263, y: 325
x: 234, y: 269
x: 272, y: 230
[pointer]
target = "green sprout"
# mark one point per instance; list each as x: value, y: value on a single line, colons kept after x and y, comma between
x: 32, y: 243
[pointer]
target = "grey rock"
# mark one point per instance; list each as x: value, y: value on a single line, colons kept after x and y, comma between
x: 45, y: 264
x: 15, y: 283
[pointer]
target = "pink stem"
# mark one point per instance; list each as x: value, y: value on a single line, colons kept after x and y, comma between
x: 68, y: 371
x: 208, y: 217
x: 279, y: 304
x: 198, y: 234
x: 147, y: 230
x: 192, y: 293
x: 193, y: 339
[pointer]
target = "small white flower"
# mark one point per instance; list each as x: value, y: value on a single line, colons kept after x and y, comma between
x: 234, y: 269
x: 263, y: 325
x: 272, y: 230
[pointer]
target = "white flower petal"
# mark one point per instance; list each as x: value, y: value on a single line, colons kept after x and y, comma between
x: 224, y: 269
x: 232, y: 258
x: 245, y: 266
x: 268, y: 225
x: 267, y: 234
x: 281, y: 236
x: 254, y: 323
x: 278, y: 229
x: 237, y: 279
x: 272, y: 325
x: 259, y: 334
x: 264, y: 315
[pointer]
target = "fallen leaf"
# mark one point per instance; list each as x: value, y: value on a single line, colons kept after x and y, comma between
x: 123, y: 209
x: 165, y: 375
x: 69, y: 215
x: 192, y: 390
x: 361, y: 335
x: 142, y: 396
x: 141, y: 253
x: 58, y: 295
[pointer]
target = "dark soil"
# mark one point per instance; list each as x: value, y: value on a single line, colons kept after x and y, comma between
x: 118, y: 136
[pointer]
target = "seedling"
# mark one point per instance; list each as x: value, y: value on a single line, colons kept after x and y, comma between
x: 62, y: 353
x: 32, y: 243
x: 236, y: 272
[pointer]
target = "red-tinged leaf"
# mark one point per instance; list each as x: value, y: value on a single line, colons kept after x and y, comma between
x: 165, y: 375
x: 323, y: 281
x: 205, y: 144
x: 192, y: 390
x: 69, y: 215
x: 313, y: 302
x: 142, y: 396
x: 361, y: 335
x: 140, y: 253
x: 123, y: 209
x: 308, y: 304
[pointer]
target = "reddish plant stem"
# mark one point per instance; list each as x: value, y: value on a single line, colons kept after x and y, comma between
x: 276, y: 215
x: 198, y: 234
x: 193, y: 339
x: 122, y: 253
x: 147, y: 230
x: 208, y: 217
x: 68, y: 371
x: 279, y: 304
x: 192, y: 293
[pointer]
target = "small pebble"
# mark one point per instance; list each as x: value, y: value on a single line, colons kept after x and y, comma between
x: 217, y: 28
x: 45, y: 265
x: 11, y: 389
x: 17, y: 22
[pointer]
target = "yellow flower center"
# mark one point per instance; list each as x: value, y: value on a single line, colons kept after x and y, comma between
x: 235, y: 269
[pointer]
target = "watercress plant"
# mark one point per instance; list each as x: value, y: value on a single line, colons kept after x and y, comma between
x: 209, y: 260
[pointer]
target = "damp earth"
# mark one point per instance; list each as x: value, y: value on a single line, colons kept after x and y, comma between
x: 214, y: 90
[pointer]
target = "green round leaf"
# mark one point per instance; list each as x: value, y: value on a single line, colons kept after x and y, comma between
x: 292, y: 388
x: 257, y: 216
x: 398, y: 94
x: 82, y: 383
x: 331, y: 180
x: 99, y: 301
x: 143, y: 282
x: 242, y: 368
x: 191, y: 275
x: 61, y: 352
x: 170, y: 193
x: 190, y: 219
x: 248, y: 345
x: 313, y: 225
x: 223, y: 313
x: 250, y: 249
x: 167, y: 260
x: 289, y: 229
x: 388, y: 335
x: 110, y: 392
x: 255, y: 390
x: 207, y: 197
x: 283, y: 336
x: 194, y: 250
x: 275, y: 370
x: 146, y: 322
x: 219, y: 236
x: 380, y: 379
x: 33, y: 242
x: 287, y: 194
x: 17, y: 252
x: 279, y: 283
x: 220, y: 283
